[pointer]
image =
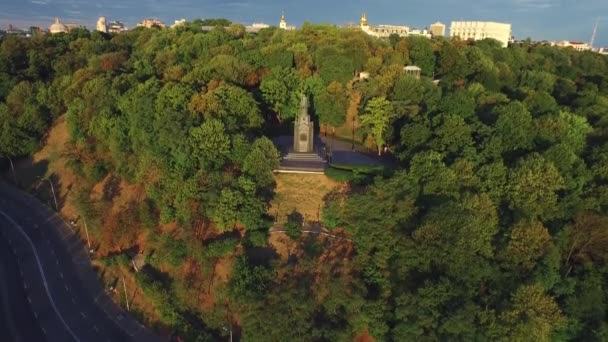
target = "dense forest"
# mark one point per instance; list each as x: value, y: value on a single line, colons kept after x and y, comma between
x: 493, y: 227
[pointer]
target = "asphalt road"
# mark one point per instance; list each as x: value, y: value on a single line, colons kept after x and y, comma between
x: 17, y: 322
x: 62, y: 290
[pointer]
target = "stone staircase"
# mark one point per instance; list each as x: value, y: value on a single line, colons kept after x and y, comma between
x: 304, y: 157
x: 305, y: 162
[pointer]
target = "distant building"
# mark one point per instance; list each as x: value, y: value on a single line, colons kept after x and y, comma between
x: 256, y: 27
x: 102, y: 25
x: 149, y: 23
x: 384, y: 31
x: 16, y: 31
x: 437, y: 29
x: 364, y: 75
x: 72, y: 26
x: 283, y: 24
x: 412, y: 70
x: 602, y: 51
x: 478, y: 30
x: 180, y: 22
x: 116, y: 27
x: 578, y: 46
x: 58, y: 27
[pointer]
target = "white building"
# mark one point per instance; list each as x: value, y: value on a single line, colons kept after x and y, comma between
x: 149, y: 23
x: 384, y: 31
x: 602, y: 51
x: 578, y: 46
x: 437, y: 29
x: 102, y: 25
x: 412, y: 70
x: 180, y: 22
x: 116, y: 27
x: 478, y: 30
x: 256, y: 27
x: 283, y: 24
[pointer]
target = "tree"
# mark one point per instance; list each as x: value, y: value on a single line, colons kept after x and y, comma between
x: 514, y: 127
x: 210, y: 144
x: 529, y: 241
x: 377, y: 118
x: 533, y: 315
x: 278, y: 90
x: 331, y: 105
x: 261, y: 161
x: 421, y: 54
x: 234, y: 106
x: 533, y: 187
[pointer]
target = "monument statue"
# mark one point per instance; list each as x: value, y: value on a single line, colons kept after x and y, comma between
x: 303, y: 129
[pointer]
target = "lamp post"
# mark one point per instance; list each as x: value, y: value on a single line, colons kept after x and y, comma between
x: 353, y: 137
x: 12, y: 169
x: 52, y: 191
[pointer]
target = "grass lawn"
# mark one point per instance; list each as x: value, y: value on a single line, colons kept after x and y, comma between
x: 303, y: 193
x: 345, y: 173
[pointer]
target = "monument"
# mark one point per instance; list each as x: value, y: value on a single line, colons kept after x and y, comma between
x: 301, y: 157
x: 303, y: 133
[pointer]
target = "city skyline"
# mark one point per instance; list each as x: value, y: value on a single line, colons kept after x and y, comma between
x: 537, y: 19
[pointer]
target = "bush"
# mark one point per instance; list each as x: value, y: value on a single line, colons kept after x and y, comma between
x: 177, y: 251
x: 98, y: 171
x: 148, y: 215
x: 331, y: 214
x: 294, y: 225
x: 220, y: 248
x: 256, y: 238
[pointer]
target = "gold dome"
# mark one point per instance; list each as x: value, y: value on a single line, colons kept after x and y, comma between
x: 58, y: 27
x: 364, y: 19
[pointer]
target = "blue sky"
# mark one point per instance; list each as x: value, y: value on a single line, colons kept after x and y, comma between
x: 539, y: 19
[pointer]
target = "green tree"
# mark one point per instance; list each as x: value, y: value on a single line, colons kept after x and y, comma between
x: 533, y: 187
x: 377, y: 118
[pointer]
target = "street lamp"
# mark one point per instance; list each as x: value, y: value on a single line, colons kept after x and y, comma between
x: 52, y: 191
x: 12, y: 169
x: 353, y: 137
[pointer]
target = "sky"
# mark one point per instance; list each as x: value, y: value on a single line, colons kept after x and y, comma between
x: 537, y: 19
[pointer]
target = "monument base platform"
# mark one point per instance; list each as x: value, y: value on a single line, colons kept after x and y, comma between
x: 302, y: 163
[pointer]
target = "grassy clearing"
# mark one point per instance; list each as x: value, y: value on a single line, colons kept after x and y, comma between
x: 303, y: 193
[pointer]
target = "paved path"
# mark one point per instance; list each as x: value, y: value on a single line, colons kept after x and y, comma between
x: 62, y: 290
x: 342, y: 151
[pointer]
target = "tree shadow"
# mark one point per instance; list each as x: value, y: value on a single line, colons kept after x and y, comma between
x: 111, y: 188
x: 261, y: 255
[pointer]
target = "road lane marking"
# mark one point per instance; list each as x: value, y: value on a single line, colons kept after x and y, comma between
x: 95, y: 328
x: 29, y: 299
x: 61, y: 275
x: 24, y: 284
x: 35, y: 315
x: 43, y: 331
x: 41, y: 271
x: 73, y: 300
x: 83, y: 315
x: 66, y: 287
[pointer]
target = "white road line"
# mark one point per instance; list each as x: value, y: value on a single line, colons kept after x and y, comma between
x: 46, y: 287
x: 73, y: 300
x: 35, y: 315
x: 29, y: 299
x: 66, y: 287
x: 83, y: 315
x: 43, y: 331
x: 95, y: 328
x: 61, y: 275
x: 24, y: 285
